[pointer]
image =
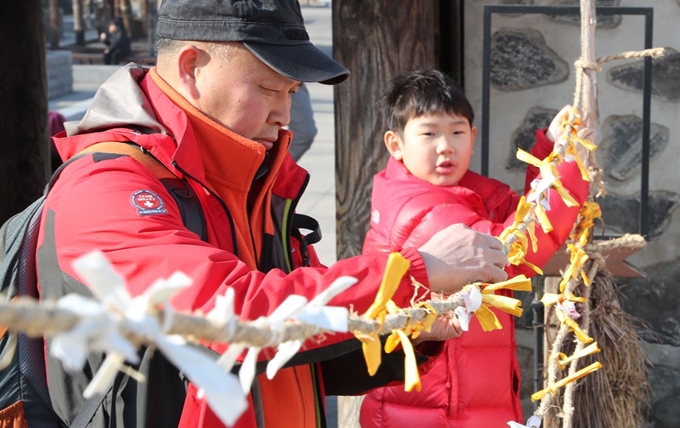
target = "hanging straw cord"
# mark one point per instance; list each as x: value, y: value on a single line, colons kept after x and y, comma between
x: 581, y: 66
x: 593, y: 250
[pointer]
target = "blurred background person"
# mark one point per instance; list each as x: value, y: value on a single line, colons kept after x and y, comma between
x: 117, y: 42
x: 301, y: 123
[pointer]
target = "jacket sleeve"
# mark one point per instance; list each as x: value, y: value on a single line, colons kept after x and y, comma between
x: 90, y: 209
x: 542, y: 148
x: 561, y: 216
x: 440, y: 216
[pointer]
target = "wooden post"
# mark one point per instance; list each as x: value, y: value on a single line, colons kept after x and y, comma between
x: 24, y: 147
x: 551, y: 285
x: 589, y: 108
x: 375, y: 40
x: 586, y: 101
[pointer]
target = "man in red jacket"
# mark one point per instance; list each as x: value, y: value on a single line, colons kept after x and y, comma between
x: 425, y: 188
x: 212, y: 112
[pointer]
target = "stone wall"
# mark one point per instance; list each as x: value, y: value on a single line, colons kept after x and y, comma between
x: 532, y: 77
x: 59, y: 75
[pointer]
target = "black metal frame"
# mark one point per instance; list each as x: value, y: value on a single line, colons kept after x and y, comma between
x: 647, y: 12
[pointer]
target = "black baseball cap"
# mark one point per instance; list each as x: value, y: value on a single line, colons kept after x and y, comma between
x: 272, y: 30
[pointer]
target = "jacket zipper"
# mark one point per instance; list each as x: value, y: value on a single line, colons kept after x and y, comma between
x: 224, y: 206
x: 258, y: 175
x: 288, y: 224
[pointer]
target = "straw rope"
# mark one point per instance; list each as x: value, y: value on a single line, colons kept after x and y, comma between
x: 38, y: 319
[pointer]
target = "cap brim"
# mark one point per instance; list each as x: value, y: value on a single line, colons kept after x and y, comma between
x: 304, y: 62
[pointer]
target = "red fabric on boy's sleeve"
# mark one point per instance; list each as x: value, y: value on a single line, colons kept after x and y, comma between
x: 417, y: 270
x: 542, y: 148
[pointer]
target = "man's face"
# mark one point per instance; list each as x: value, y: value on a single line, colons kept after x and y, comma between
x: 243, y: 94
x: 436, y: 148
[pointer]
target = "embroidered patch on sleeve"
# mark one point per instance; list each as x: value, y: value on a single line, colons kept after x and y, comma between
x: 147, y: 203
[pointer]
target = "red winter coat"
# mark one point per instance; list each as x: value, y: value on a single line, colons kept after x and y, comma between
x: 475, y: 383
x: 93, y: 206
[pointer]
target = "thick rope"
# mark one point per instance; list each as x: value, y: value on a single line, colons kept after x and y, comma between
x: 582, y: 65
x: 37, y: 319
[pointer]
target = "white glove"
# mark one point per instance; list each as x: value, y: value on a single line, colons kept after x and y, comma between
x: 556, y: 131
x: 555, y: 128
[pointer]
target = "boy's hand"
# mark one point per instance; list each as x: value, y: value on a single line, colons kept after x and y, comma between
x: 458, y: 255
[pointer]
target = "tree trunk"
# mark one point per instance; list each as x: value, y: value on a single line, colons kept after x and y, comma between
x: 144, y: 17
x: 391, y: 41
x: 126, y: 15
x: 24, y: 146
x: 78, y: 23
x: 55, y: 29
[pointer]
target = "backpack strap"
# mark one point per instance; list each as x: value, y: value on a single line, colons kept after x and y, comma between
x: 181, y: 192
x: 192, y: 218
x: 302, y: 221
x: 134, y: 151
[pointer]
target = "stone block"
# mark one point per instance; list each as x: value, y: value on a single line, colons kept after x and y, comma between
x: 665, y: 76
x: 620, y: 152
x: 95, y: 74
x: 520, y: 59
x: 665, y: 411
x: 603, y: 21
x: 59, y: 76
x: 526, y: 2
x: 524, y: 137
x: 654, y: 300
x: 662, y: 380
x: 622, y: 214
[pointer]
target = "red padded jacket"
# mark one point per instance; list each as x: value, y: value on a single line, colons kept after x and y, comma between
x: 475, y: 383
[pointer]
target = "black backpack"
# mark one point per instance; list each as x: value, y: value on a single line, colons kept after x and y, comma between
x: 23, y: 384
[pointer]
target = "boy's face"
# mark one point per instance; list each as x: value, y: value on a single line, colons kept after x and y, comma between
x: 435, y: 148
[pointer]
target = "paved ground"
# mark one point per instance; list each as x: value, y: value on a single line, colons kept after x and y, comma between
x: 319, y: 199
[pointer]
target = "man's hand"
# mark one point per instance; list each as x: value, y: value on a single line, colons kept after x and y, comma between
x: 458, y: 255
x: 444, y: 328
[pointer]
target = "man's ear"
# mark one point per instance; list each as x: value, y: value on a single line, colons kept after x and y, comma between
x: 393, y: 144
x: 188, y: 60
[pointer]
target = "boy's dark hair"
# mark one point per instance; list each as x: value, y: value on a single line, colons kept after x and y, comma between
x: 416, y: 93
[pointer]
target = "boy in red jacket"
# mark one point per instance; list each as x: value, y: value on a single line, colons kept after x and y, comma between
x: 426, y: 187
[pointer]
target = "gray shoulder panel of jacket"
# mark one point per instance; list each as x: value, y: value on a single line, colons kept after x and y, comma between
x: 119, y: 102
